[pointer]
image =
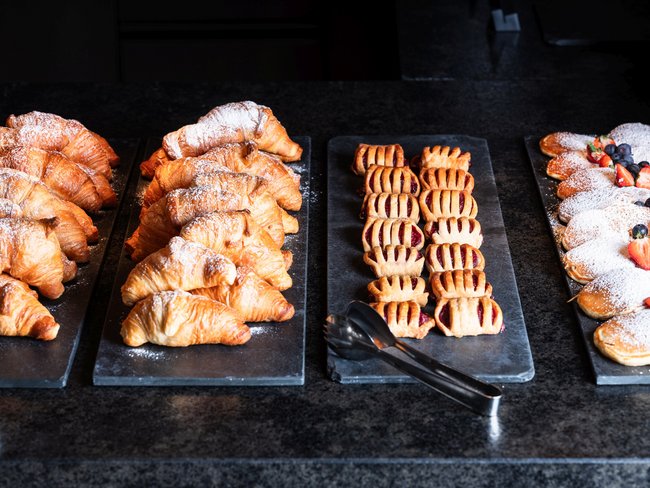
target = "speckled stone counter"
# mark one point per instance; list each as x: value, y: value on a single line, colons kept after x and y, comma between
x: 559, y: 429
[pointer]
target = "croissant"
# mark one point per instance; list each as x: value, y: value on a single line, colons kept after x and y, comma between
x: 391, y: 180
x: 37, y: 202
x: 91, y: 232
x: 21, y: 314
x: 461, y: 317
x: 391, y: 206
x: 405, y: 319
x: 237, y: 236
x: 179, y: 319
x: 68, y: 136
x: 65, y: 178
x: 445, y: 157
x: 367, y: 154
x: 233, y: 122
x: 251, y: 297
x: 394, y: 260
x: 446, y: 179
x: 157, y: 158
x: 399, y: 289
x: 436, y: 204
x: 9, y: 209
x: 30, y: 251
x: 386, y: 232
x: 103, y: 187
x: 181, y: 265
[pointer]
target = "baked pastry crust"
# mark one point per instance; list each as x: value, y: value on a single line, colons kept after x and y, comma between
x: 624, y: 338
x: 394, y: 260
x: 384, y: 179
x: 568, y: 162
x: 391, y: 155
x: 446, y: 179
x: 449, y: 257
x: 399, y: 288
x: 460, y: 317
x: 436, y: 204
x: 559, y: 142
x: 460, y: 283
x: 391, y: 206
x: 463, y: 230
x: 445, y: 157
x: 405, y: 319
x: 386, y: 232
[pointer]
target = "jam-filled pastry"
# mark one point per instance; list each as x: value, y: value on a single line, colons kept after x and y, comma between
x: 384, y: 179
x: 460, y: 283
x: 366, y: 154
x: 436, y: 204
x: 625, y: 338
x: 405, y: 319
x: 463, y: 230
x: 399, y: 288
x: 390, y: 206
x: 598, y: 256
x: 448, y: 257
x: 566, y: 163
x: 445, y: 157
x: 460, y: 317
x: 586, y: 180
x: 446, y: 179
x: 604, y: 198
x: 394, y: 260
x: 386, y: 232
x: 620, y: 291
x: 559, y: 142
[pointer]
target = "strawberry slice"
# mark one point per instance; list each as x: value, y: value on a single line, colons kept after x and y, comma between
x: 623, y: 176
x: 646, y: 302
x: 605, y: 161
x: 643, y: 180
x: 639, y: 251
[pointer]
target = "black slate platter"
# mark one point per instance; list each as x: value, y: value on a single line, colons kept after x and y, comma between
x: 606, y: 371
x: 275, y: 354
x: 27, y: 363
x: 505, y: 357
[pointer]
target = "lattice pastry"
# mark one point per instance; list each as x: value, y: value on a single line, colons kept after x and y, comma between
x: 461, y: 317
x: 625, y: 338
x: 391, y: 206
x: 391, y: 155
x: 386, y: 232
x: 394, y: 260
x: 436, y: 204
x: 405, y: 319
x: 391, y: 180
x: 445, y: 157
x: 446, y: 179
x: 460, y: 283
x: 396, y: 288
x: 448, y: 257
x: 462, y: 230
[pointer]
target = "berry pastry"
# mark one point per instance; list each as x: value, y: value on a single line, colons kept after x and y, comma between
x: 405, y: 319
x: 381, y: 179
x: 391, y: 206
x: 461, y: 283
x: 436, y: 204
x: 462, y: 230
x: 446, y: 179
x: 460, y: 317
x: 396, y: 288
x: 625, y: 338
x: 394, y: 260
x: 448, y: 257
x: 367, y: 154
x: 445, y: 157
x: 386, y: 232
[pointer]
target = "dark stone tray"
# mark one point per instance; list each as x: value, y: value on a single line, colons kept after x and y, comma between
x: 28, y: 363
x: 504, y: 358
x: 606, y: 371
x: 275, y: 354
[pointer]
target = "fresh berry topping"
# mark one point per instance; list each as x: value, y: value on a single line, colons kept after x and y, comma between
x: 643, y: 164
x: 623, y: 176
x: 646, y: 302
x: 643, y: 180
x: 640, y: 203
x: 647, y: 202
x: 616, y: 157
x: 639, y: 231
x: 634, y: 169
x: 610, y: 149
x: 605, y: 162
x: 639, y: 251
x: 624, y: 149
x: 604, y: 141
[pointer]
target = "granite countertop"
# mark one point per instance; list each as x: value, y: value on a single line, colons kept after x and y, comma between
x: 558, y: 429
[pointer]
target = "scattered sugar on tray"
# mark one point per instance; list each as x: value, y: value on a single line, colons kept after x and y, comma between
x: 634, y: 328
x: 623, y: 289
x: 144, y: 352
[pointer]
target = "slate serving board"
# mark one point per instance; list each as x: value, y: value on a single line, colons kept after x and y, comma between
x: 606, y: 371
x: 275, y: 354
x: 28, y: 363
x: 504, y: 358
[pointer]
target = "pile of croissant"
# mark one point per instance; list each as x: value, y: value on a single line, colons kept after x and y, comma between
x: 212, y: 225
x: 53, y: 172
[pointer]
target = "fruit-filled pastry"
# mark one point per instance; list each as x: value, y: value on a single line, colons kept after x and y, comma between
x: 462, y: 230
x: 390, y: 206
x: 399, y: 288
x: 446, y: 179
x: 618, y: 292
x: 461, y: 283
x: 605, y: 198
x: 586, y: 180
x: 460, y: 317
x: 625, y: 338
x: 405, y: 319
x: 394, y: 261
x: 558, y: 142
x: 384, y: 179
x: 437, y: 204
x: 449, y: 257
x: 598, y: 256
x: 386, y: 232
x: 445, y: 157
x: 566, y: 163
x: 368, y: 154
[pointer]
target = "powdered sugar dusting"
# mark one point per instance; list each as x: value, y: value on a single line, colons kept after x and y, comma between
x: 634, y: 329
x: 599, y: 256
x: 569, y: 162
x: 586, y: 180
x: 573, y: 142
x: 622, y: 290
x: 600, y: 199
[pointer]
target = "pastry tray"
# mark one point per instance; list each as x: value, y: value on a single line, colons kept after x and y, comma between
x: 503, y: 358
x: 275, y: 354
x: 29, y: 363
x: 606, y: 371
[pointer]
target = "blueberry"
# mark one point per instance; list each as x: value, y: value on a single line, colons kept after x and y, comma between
x: 634, y: 169
x: 610, y: 149
x: 643, y: 164
x: 616, y: 157
x: 639, y: 231
x: 639, y: 203
x: 647, y: 202
x: 624, y: 149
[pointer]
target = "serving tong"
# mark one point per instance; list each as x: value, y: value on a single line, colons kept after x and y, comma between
x: 361, y: 333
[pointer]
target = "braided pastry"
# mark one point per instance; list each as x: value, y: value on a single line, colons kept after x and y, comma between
x: 405, y: 319
x: 461, y: 317
x: 436, y: 204
x: 460, y: 283
x: 463, y: 230
x: 396, y: 288
x: 446, y: 179
x: 394, y: 260
x: 391, y: 206
x: 367, y: 154
x: 445, y: 157
x: 385, y: 232
x: 391, y: 180
x: 448, y: 257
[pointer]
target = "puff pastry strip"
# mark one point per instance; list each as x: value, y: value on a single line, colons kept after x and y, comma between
x: 386, y: 232
x: 463, y: 230
x: 460, y: 317
x: 368, y: 154
x: 391, y: 206
x: 394, y: 260
x: 405, y: 319
x: 460, y: 283
x: 436, y: 204
x: 448, y: 257
x: 397, y: 288
x: 446, y: 179
x: 445, y: 157
x: 383, y: 179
